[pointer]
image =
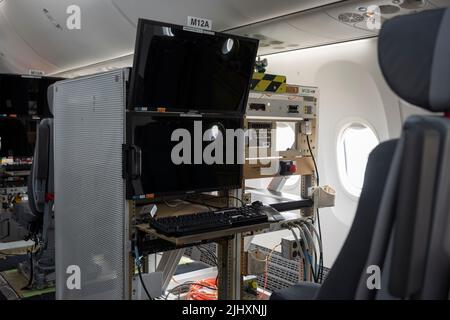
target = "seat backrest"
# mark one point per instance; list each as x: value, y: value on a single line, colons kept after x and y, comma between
x: 40, y: 184
x: 408, y: 242
x: 402, y: 223
x: 343, y: 278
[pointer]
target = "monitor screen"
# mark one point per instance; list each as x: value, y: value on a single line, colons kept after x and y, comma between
x: 153, y: 133
x: 25, y: 95
x: 181, y: 70
x: 17, y: 137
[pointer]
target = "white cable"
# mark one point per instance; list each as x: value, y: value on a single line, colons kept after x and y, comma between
x: 307, y: 263
x: 300, y: 250
x: 307, y: 248
x: 319, y: 241
x: 312, y: 246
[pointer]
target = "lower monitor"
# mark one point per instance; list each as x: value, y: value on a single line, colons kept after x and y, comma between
x: 174, y: 161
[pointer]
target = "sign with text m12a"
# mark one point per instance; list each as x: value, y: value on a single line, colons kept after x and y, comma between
x: 199, y: 23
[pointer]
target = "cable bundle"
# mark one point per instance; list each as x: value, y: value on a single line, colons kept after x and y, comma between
x: 309, y: 243
x: 203, y: 290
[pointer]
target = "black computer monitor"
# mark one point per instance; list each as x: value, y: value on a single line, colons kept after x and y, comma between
x: 17, y: 137
x: 152, y: 134
x: 25, y: 95
x: 181, y: 70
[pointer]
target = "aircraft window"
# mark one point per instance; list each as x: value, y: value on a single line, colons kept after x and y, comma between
x: 356, y: 142
x: 285, y: 136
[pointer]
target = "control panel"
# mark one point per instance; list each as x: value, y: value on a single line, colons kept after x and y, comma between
x: 302, y: 105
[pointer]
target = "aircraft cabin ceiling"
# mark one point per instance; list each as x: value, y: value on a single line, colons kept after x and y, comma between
x: 34, y: 35
x: 340, y: 22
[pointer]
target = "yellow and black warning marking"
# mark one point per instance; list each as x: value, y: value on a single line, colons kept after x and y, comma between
x: 268, y: 83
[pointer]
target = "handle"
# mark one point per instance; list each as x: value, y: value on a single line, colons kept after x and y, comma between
x: 132, y: 162
x: 136, y: 162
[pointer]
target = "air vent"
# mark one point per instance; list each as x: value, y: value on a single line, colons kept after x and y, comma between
x: 413, y: 4
x: 259, y: 36
x: 389, y: 9
x: 350, y: 17
x: 276, y: 42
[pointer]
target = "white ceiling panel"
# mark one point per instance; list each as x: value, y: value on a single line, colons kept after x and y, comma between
x: 15, y: 54
x: 225, y: 14
x: 33, y: 33
x: 339, y: 22
x: 41, y: 24
x: 109, y: 27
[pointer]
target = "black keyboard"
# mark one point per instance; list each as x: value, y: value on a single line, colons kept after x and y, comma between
x: 208, y: 221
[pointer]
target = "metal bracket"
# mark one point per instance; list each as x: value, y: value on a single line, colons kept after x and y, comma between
x: 168, y: 265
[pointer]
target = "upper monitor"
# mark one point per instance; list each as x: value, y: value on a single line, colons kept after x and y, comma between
x: 180, y: 69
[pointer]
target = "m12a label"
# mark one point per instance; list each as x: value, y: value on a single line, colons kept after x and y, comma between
x: 199, y: 23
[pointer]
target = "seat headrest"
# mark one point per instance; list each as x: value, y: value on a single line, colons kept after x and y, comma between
x: 414, y: 55
x: 50, y: 98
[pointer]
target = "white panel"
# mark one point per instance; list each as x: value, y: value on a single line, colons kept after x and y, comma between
x: 89, y: 189
x: 319, y: 23
x: 104, y: 33
x: 15, y: 54
x: 321, y: 26
x: 281, y: 36
x: 224, y: 13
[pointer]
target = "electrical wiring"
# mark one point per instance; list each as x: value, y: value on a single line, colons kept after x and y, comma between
x: 31, y: 252
x: 302, y: 253
x: 236, y: 198
x: 188, y: 285
x: 173, y: 205
x: 138, y: 266
x: 319, y: 241
x: 209, y: 255
x: 313, y: 228
x: 224, y: 197
x: 309, y: 246
x: 210, y: 251
x: 266, y: 268
x: 312, y: 248
x: 314, y: 160
x: 306, y: 254
x: 317, y: 211
x: 197, y: 290
x: 213, y: 258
